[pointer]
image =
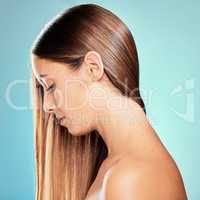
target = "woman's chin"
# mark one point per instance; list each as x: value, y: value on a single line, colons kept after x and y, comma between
x: 73, y: 129
x: 70, y: 129
x: 76, y: 131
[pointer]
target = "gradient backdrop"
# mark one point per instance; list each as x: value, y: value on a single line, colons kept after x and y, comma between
x: 167, y: 35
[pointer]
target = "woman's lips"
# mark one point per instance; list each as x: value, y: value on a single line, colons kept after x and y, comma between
x: 61, y: 120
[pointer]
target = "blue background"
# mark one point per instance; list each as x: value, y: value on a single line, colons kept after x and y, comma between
x: 167, y: 38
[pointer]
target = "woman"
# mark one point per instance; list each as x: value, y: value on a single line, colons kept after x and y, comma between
x: 92, y: 137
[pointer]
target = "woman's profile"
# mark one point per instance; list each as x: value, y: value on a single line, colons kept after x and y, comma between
x: 93, y: 140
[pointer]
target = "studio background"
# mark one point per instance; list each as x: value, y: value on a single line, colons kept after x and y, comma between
x: 168, y: 43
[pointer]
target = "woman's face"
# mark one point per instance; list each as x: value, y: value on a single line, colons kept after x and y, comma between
x: 65, y: 94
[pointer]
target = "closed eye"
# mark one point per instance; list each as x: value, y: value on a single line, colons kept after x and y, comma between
x: 51, y: 87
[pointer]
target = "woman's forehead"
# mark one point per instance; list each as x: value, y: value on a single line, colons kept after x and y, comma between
x: 44, y: 67
x: 40, y: 66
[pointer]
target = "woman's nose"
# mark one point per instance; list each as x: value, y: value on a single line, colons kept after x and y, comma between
x: 48, y: 104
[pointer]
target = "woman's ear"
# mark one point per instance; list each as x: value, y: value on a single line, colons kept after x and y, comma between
x: 94, y: 65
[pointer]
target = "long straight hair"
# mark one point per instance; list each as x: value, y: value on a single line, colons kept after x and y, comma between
x: 67, y: 165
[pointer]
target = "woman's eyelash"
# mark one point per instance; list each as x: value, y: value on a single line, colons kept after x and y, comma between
x: 51, y: 87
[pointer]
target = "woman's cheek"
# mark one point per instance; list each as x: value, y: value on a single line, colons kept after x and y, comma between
x: 74, y: 95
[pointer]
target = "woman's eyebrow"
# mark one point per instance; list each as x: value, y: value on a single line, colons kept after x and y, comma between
x: 42, y: 75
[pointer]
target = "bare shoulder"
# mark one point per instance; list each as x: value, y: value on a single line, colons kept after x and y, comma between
x: 141, y: 180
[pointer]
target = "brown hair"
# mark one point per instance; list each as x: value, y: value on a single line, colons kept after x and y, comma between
x: 67, y: 165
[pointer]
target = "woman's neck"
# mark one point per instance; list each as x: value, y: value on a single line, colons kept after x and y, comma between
x: 126, y: 129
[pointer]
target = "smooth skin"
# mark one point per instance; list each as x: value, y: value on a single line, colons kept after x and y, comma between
x: 138, y: 165
x: 142, y: 180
